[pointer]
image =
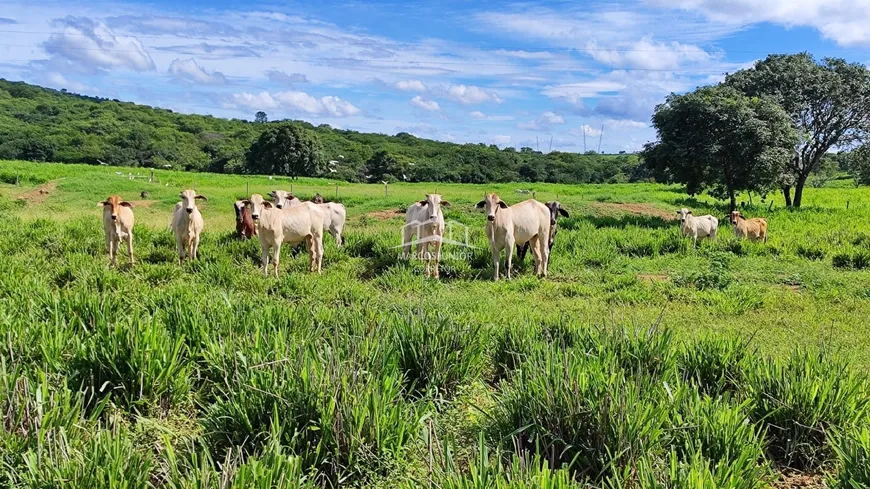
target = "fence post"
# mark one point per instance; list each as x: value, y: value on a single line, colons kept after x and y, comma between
x: 247, y: 188
x: 336, y: 190
x: 847, y: 205
x: 386, y: 190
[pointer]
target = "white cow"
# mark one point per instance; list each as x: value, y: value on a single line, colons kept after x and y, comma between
x: 425, y: 220
x: 187, y: 225
x: 118, y: 224
x: 288, y: 225
x: 334, y: 216
x: 697, y: 227
x: 528, y: 221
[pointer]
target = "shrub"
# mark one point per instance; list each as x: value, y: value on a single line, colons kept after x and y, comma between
x: 714, y: 365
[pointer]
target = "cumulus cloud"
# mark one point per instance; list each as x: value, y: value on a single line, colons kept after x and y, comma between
x: 410, y: 86
x: 843, y: 21
x: 543, y: 123
x: 297, y: 102
x: 428, y: 105
x: 279, y: 76
x: 470, y: 94
x: 190, y: 71
x: 650, y: 55
x: 54, y: 79
x: 574, y: 93
x: 93, y: 44
x: 587, y: 130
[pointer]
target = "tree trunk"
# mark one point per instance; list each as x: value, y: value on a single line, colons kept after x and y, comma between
x: 786, y: 192
x: 733, y: 200
x: 799, y: 190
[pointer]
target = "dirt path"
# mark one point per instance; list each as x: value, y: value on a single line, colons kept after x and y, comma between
x: 40, y: 194
x: 632, y: 208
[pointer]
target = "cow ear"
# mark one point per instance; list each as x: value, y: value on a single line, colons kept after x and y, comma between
x: 102, y: 203
x: 424, y: 202
x: 689, y: 213
x: 271, y: 194
x: 267, y: 204
x: 563, y: 212
x: 480, y: 204
x: 246, y: 202
x: 126, y: 204
x: 201, y: 197
x: 502, y: 204
x: 445, y: 203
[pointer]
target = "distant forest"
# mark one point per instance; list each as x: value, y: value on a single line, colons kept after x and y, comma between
x: 40, y: 124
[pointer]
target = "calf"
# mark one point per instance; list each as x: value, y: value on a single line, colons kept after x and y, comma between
x: 754, y: 229
x: 425, y: 220
x: 118, y: 225
x: 187, y: 225
x: 528, y: 221
x: 317, y: 199
x: 288, y: 225
x: 556, y: 210
x: 244, y: 224
x: 697, y: 227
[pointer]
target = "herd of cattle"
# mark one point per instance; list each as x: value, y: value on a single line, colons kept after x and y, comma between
x: 286, y: 219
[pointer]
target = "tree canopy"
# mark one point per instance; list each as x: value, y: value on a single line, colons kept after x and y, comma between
x: 286, y: 149
x: 718, y: 140
x: 41, y: 124
x: 828, y: 104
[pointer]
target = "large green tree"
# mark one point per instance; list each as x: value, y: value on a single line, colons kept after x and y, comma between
x: 828, y: 104
x: 286, y: 149
x: 718, y: 140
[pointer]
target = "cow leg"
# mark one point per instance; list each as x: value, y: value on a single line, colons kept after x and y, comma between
x: 179, y: 244
x: 130, y: 247
x: 495, y: 257
x: 426, y: 257
x: 437, y: 246
x: 536, y: 254
x: 508, y: 252
x: 406, y: 242
x: 544, y: 248
x: 110, y: 244
x: 265, y: 257
x: 318, y: 243
x: 194, y: 245
x: 276, y: 257
x: 312, y: 253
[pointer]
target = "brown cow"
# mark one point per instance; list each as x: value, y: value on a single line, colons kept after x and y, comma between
x: 245, y: 228
x: 118, y: 224
x: 754, y: 229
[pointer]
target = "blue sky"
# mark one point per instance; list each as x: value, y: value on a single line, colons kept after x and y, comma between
x: 514, y: 74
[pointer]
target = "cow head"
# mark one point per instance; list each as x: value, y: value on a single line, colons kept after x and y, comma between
x: 188, y: 200
x: 257, y: 204
x: 556, y: 210
x: 317, y: 199
x: 433, y: 204
x: 113, y: 204
x: 735, y: 216
x: 682, y: 213
x: 239, y: 206
x: 491, y: 203
x: 282, y: 198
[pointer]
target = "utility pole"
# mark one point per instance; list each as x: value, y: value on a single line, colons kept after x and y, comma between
x: 600, y: 137
x: 584, y: 138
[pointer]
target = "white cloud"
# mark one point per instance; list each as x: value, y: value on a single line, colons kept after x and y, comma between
x: 478, y: 115
x: 428, y: 105
x: 543, y: 123
x: 298, y: 102
x: 189, y: 70
x: 279, y: 76
x: 844, y: 21
x: 96, y: 46
x: 501, y: 139
x: 54, y: 79
x: 650, y: 55
x: 410, y: 86
x: 575, y: 92
x: 470, y: 94
x: 588, y: 130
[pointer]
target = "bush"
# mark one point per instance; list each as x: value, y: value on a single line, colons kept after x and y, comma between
x: 714, y: 365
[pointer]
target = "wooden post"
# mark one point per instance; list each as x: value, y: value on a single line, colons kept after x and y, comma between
x: 336, y: 190
x: 386, y: 190
x: 247, y: 188
x: 847, y: 205
x: 151, y: 180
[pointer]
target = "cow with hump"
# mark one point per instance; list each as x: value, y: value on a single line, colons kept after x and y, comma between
x: 425, y: 220
x: 290, y: 224
x: 507, y: 226
x: 118, y: 225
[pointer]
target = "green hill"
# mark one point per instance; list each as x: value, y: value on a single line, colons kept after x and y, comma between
x: 41, y: 124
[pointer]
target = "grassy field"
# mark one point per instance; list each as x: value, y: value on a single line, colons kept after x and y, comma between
x: 635, y: 364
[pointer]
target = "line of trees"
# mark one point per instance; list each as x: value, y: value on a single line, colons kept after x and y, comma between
x: 765, y: 128
x: 40, y: 124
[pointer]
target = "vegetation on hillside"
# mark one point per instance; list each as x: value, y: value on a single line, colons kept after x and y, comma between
x: 40, y: 124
